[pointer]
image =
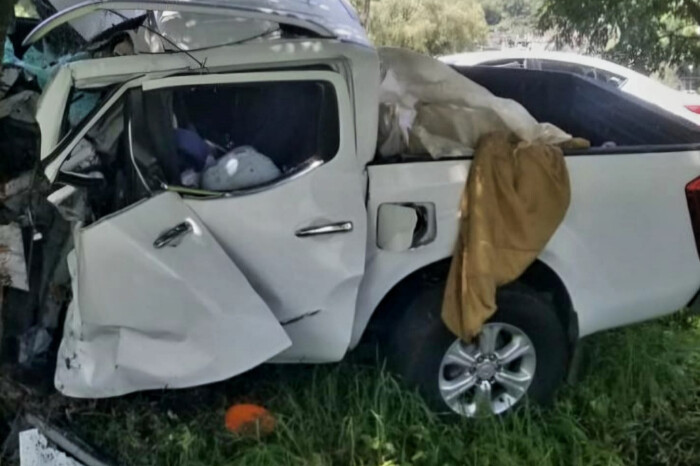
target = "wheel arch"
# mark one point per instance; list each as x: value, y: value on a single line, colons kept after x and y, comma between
x: 543, y: 279
x: 539, y: 276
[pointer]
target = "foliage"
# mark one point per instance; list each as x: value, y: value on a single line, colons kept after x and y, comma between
x: 493, y: 11
x: 25, y: 9
x: 511, y: 17
x: 667, y: 75
x: 637, y: 403
x: 645, y: 34
x: 509, y: 8
x: 428, y: 26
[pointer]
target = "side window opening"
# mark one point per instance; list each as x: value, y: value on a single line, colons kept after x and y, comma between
x: 205, y: 138
x: 587, y: 71
x: 97, y: 163
x: 231, y: 137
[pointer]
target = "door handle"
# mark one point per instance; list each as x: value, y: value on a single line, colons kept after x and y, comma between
x: 331, y: 228
x: 173, y: 236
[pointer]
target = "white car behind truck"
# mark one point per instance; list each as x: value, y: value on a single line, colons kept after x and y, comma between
x: 683, y: 104
x: 175, y: 286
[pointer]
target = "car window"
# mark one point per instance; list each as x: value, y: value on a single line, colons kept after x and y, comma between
x: 610, y: 78
x: 583, y: 70
x: 204, y: 138
x: 565, y: 67
x: 505, y: 63
x: 236, y: 136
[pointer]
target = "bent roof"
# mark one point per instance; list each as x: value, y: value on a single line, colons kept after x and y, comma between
x: 328, y: 18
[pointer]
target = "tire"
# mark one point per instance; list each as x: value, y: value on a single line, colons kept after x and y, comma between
x: 420, y: 341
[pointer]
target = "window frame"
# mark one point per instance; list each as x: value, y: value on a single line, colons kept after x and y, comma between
x: 505, y: 62
x: 346, y: 130
x: 346, y: 137
x: 564, y: 64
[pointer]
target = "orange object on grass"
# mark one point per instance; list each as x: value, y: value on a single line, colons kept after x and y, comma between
x: 249, y: 420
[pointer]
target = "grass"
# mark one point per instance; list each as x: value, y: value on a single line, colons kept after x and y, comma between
x: 638, y: 403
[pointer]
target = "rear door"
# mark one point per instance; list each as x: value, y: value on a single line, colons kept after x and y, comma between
x: 158, y: 304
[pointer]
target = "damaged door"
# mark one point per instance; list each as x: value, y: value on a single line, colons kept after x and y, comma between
x: 158, y: 304
x: 300, y: 235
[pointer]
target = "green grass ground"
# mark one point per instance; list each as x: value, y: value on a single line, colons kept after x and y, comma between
x: 638, y: 403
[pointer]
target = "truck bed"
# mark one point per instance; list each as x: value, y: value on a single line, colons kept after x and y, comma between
x: 587, y: 108
x: 614, y: 121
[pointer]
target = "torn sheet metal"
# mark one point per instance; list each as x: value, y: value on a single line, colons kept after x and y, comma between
x: 34, y: 450
x: 13, y: 266
x: 39, y: 64
x: 148, y: 317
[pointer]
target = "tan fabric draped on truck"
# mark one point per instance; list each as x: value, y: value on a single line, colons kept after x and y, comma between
x: 516, y: 196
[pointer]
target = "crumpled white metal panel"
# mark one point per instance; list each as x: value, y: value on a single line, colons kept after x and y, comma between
x: 146, y: 318
x: 34, y: 450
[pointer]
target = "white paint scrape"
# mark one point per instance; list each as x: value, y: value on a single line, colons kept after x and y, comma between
x: 34, y: 450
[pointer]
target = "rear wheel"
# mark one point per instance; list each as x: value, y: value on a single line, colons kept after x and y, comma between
x: 522, y: 352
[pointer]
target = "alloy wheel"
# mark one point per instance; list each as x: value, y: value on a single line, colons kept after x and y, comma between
x: 489, y: 375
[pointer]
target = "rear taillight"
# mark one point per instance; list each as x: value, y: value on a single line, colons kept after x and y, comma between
x: 693, y: 108
x: 692, y: 193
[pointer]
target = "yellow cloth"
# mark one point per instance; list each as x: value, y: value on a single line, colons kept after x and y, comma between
x: 515, y: 197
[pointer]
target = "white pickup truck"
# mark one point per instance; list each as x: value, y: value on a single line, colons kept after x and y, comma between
x: 177, y: 286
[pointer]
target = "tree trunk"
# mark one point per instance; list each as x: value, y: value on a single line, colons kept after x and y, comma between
x: 364, y: 16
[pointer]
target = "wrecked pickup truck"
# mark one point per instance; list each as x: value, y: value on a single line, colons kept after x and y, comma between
x: 183, y: 274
